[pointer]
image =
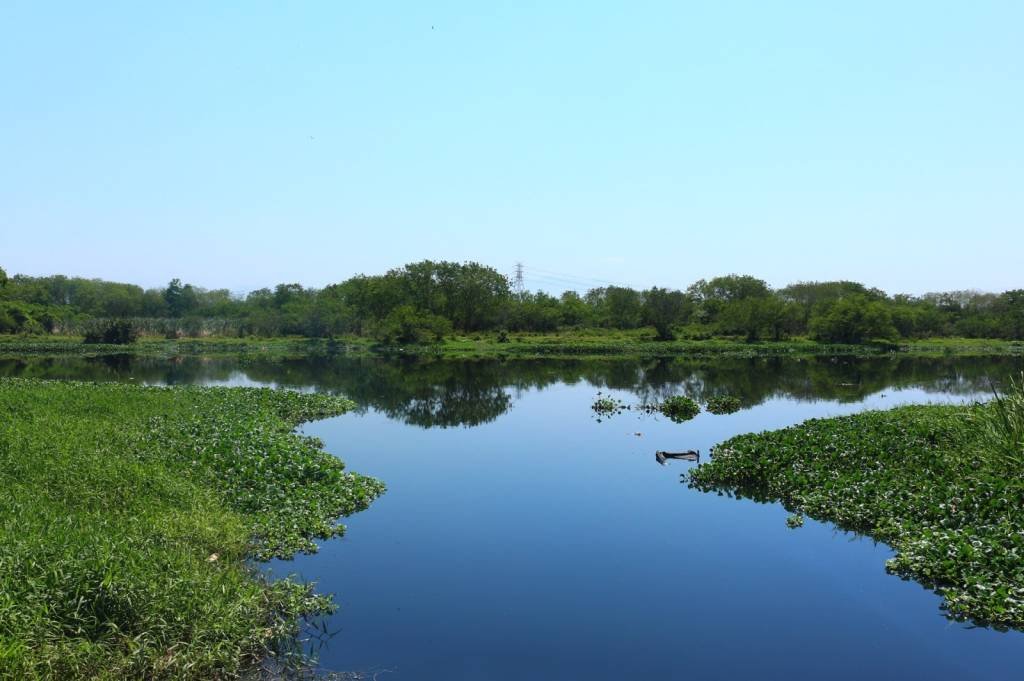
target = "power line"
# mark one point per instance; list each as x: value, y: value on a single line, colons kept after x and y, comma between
x: 544, y: 279
x: 525, y: 275
x: 575, y: 279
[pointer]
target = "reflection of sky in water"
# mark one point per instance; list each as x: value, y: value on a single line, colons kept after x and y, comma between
x: 541, y: 544
x: 545, y: 545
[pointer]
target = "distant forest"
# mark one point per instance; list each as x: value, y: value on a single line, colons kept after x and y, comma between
x: 428, y: 301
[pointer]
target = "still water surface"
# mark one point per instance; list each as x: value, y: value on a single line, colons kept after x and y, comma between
x: 521, y: 538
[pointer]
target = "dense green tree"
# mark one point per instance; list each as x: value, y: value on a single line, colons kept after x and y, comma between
x: 475, y: 296
x: 712, y: 296
x: 535, y: 312
x: 663, y: 309
x: 1009, y: 309
x: 809, y: 295
x: 617, y: 307
x: 917, y: 317
x: 180, y: 299
x: 853, y: 319
x: 406, y: 324
x: 574, y: 310
x: 760, y: 318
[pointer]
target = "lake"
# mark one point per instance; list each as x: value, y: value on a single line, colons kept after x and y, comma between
x: 522, y: 537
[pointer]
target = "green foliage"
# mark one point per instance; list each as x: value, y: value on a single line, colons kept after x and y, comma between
x: 475, y: 298
x: 925, y: 480
x: 607, y: 406
x: 759, y: 318
x: 535, y: 312
x: 714, y: 295
x: 615, y: 306
x: 663, y: 309
x: 19, y: 317
x: 112, y: 332
x: 794, y: 521
x: 679, y: 408
x: 1001, y: 425
x: 723, y: 404
x: 811, y: 295
x: 405, y: 324
x: 180, y: 300
x: 1009, y: 308
x: 3, y: 278
x: 127, y: 515
x: 853, y: 319
x: 575, y: 311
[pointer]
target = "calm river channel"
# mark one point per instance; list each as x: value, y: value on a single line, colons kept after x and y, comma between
x: 523, y: 538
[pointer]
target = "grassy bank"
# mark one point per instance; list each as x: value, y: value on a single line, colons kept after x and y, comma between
x: 568, y: 344
x: 940, y: 484
x: 127, y: 515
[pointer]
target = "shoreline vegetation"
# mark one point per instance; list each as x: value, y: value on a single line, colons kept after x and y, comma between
x: 132, y: 516
x: 638, y: 343
x: 943, y: 486
x: 431, y: 302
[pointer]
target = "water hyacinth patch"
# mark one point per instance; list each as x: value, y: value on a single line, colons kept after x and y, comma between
x: 128, y: 516
x: 607, y: 406
x: 725, y: 404
x: 679, y: 408
x: 922, y: 479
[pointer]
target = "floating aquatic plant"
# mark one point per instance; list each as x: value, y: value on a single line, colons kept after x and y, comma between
x: 724, y: 404
x: 927, y: 480
x: 679, y: 408
x: 129, y: 515
x: 607, y: 406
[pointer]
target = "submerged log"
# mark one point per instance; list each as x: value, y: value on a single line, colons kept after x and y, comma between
x: 689, y: 455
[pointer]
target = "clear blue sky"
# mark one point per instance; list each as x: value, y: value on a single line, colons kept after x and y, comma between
x: 244, y: 144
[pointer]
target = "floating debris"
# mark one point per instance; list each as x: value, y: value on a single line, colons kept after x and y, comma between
x: 689, y: 455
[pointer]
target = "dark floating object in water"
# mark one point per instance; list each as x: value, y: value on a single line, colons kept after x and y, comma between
x: 689, y: 455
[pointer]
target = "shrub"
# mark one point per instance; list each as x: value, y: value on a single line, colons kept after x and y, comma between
x: 405, y: 324
x: 112, y: 332
x: 852, y: 320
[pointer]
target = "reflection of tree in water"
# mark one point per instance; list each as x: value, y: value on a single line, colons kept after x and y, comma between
x: 182, y: 370
x: 444, y: 393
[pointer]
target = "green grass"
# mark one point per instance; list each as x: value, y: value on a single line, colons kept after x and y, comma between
x: 1002, y: 425
x: 926, y: 480
x: 638, y: 343
x: 128, y: 516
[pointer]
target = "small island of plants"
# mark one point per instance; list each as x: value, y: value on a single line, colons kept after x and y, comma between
x: 678, y: 408
x: 724, y: 404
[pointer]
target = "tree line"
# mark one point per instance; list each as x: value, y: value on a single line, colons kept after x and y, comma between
x: 427, y: 301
